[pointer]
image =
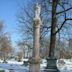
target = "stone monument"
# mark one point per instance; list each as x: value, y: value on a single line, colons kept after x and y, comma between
x: 35, y: 60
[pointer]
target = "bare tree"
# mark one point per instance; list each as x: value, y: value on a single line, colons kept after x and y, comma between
x: 55, y: 19
x: 20, y: 55
x: 5, y: 48
x: 5, y: 43
x: 44, y: 51
x: 26, y: 48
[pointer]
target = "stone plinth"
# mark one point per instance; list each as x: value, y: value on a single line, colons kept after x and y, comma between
x: 34, y: 64
x: 51, y: 66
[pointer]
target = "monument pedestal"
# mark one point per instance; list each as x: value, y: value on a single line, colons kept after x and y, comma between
x: 34, y: 65
x: 51, y: 65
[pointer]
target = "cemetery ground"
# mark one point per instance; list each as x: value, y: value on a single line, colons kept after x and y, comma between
x: 64, y: 65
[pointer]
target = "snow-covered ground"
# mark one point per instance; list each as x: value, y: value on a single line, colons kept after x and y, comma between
x: 66, y: 67
x: 13, y: 66
x: 19, y: 67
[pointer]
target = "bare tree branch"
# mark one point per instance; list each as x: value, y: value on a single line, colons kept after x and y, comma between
x: 63, y: 24
x: 64, y: 11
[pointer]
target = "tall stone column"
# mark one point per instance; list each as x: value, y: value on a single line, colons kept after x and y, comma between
x: 35, y: 60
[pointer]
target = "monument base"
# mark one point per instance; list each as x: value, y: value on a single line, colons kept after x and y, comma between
x: 51, y: 65
x: 34, y: 68
x: 34, y: 65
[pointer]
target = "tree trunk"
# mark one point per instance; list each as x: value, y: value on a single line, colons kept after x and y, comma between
x: 51, y: 61
x: 53, y: 29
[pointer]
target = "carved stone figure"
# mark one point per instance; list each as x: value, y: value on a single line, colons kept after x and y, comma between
x: 37, y: 19
x: 37, y: 11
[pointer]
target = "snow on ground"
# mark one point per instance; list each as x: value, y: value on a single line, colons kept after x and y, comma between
x: 14, y: 67
x: 15, y: 62
x: 67, y: 67
x: 19, y: 67
x: 1, y: 61
x: 43, y: 63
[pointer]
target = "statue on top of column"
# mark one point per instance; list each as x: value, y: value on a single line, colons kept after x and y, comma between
x: 37, y: 11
